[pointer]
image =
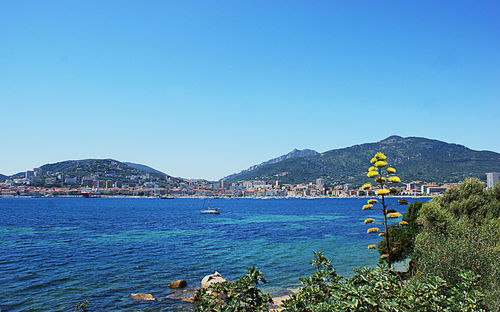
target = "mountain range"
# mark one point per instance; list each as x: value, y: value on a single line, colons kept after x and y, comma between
x: 293, y: 154
x: 416, y: 159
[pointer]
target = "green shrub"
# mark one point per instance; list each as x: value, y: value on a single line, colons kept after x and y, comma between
x: 461, y: 232
x: 403, y: 237
x: 382, y: 290
x: 241, y: 295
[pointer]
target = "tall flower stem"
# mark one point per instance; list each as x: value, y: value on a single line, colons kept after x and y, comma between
x: 384, y: 211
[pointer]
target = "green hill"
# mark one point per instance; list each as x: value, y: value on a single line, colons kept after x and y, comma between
x: 101, y: 168
x: 414, y: 158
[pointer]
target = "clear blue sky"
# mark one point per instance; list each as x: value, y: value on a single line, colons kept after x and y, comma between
x: 202, y: 89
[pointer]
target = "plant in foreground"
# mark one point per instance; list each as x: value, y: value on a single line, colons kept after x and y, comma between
x: 241, y: 295
x: 378, y: 290
x: 382, y: 177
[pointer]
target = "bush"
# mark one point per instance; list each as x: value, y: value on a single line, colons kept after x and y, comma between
x: 403, y: 237
x: 382, y: 290
x: 461, y: 232
x: 241, y: 295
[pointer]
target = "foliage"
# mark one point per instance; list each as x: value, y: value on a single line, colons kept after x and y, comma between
x: 381, y: 290
x: 461, y: 232
x: 241, y: 295
x: 380, y: 174
x: 418, y: 159
x: 403, y: 236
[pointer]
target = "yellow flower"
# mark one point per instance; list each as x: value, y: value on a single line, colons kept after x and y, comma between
x: 380, y: 179
x: 382, y: 192
x: 374, y: 160
x: 393, y: 215
x: 369, y: 220
x: 372, y: 201
x: 403, y: 223
x: 372, y: 174
x: 384, y: 256
x: 380, y: 164
x: 367, y: 207
x: 373, y: 230
x: 373, y: 168
x: 395, y: 179
x: 402, y: 202
x: 366, y: 186
x: 371, y: 246
x: 381, y: 234
x: 390, y: 170
x: 380, y: 156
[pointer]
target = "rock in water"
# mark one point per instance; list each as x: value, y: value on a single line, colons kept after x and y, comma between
x: 143, y: 297
x: 215, y: 278
x: 178, y: 284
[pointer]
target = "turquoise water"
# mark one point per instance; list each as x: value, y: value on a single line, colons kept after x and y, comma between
x: 58, y: 251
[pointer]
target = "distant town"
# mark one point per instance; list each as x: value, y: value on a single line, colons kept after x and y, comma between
x: 37, y: 183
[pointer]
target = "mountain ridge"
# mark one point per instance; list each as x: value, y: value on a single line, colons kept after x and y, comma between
x: 293, y: 154
x: 416, y: 158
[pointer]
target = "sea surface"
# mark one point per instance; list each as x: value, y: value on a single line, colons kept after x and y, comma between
x: 55, y: 252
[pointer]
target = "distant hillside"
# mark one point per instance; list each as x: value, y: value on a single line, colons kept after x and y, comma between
x: 414, y: 158
x: 293, y: 154
x: 2, y: 177
x: 144, y: 168
x: 100, y: 168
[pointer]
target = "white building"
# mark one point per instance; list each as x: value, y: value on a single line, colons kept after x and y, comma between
x: 492, y: 179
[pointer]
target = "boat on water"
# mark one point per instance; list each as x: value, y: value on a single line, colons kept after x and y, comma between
x: 210, y: 210
x: 90, y: 193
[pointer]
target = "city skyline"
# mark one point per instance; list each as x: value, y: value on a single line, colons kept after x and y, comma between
x: 204, y: 90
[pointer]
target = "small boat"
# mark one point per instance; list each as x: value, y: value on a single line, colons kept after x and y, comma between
x: 210, y: 210
x: 90, y: 193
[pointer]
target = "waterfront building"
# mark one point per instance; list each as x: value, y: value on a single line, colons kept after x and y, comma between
x: 320, y: 183
x: 492, y: 179
x: 37, y: 172
x: 70, y: 180
x: 50, y: 181
x: 426, y: 186
x: 411, y: 186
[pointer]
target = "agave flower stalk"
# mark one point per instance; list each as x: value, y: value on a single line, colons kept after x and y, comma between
x: 380, y: 172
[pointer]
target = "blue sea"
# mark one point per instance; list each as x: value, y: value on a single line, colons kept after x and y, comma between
x: 55, y: 252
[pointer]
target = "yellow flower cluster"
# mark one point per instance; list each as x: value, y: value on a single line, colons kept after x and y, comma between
x: 384, y: 256
x: 380, y: 179
x: 373, y: 168
x: 369, y: 220
x: 372, y: 174
x: 380, y: 164
x: 394, y: 215
x: 381, y: 234
x: 390, y: 170
x: 367, y: 207
x: 374, y: 160
x: 371, y: 246
x: 403, y: 223
x: 382, y: 192
x: 372, y: 230
x: 372, y: 201
x: 395, y: 179
x: 380, y: 156
x: 366, y: 186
